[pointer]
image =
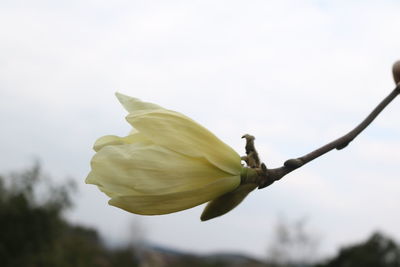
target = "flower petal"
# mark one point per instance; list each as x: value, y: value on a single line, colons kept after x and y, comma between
x: 148, y: 169
x: 179, y: 133
x: 183, y: 135
x: 168, y: 203
x: 112, y: 140
x: 134, y: 105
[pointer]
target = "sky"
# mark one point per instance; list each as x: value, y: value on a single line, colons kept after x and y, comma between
x: 295, y: 74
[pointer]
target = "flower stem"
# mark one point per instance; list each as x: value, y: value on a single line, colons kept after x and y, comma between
x: 272, y: 175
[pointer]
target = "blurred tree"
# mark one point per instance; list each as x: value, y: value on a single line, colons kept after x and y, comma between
x: 28, y: 226
x: 292, y: 244
x: 377, y: 251
x: 34, y: 232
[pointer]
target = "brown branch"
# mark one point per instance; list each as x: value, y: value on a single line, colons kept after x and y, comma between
x: 271, y: 175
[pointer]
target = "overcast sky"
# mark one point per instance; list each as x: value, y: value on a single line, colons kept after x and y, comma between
x: 296, y: 74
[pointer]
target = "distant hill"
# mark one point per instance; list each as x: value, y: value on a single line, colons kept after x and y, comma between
x: 164, y: 257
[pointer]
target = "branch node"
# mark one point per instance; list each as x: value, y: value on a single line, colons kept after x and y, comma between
x: 341, y: 146
x: 396, y: 72
x: 293, y: 163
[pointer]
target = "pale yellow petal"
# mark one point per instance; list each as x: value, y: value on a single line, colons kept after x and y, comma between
x: 144, y: 168
x: 168, y: 203
x: 110, y: 140
x: 134, y: 105
x: 115, y: 190
x: 181, y: 134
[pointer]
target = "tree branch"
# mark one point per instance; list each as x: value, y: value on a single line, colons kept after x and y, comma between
x: 268, y: 176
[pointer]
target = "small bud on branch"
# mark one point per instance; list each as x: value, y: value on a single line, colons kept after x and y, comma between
x: 396, y: 72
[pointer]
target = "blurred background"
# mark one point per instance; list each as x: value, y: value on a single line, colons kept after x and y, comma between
x: 295, y: 74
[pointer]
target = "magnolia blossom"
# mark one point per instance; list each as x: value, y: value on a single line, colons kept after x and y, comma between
x: 166, y: 164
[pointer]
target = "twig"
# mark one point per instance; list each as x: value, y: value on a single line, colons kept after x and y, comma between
x: 268, y: 176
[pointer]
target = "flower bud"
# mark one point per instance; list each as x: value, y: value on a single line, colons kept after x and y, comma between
x: 167, y: 163
x: 396, y: 72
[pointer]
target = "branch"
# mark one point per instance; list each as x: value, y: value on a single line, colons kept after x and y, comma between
x: 268, y: 176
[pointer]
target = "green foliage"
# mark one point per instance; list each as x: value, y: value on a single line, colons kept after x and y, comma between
x: 34, y: 232
x: 377, y: 251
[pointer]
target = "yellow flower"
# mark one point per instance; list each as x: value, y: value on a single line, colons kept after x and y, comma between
x: 166, y: 164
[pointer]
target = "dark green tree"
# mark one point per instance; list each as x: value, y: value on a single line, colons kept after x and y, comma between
x: 35, y: 233
x: 377, y: 251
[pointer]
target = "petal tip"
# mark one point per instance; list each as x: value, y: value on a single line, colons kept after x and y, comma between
x: 133, y: 104
x: 122, y: 98
x: 88, y: 180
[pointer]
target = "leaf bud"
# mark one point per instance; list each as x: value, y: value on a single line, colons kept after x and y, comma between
x: 396, y: 72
